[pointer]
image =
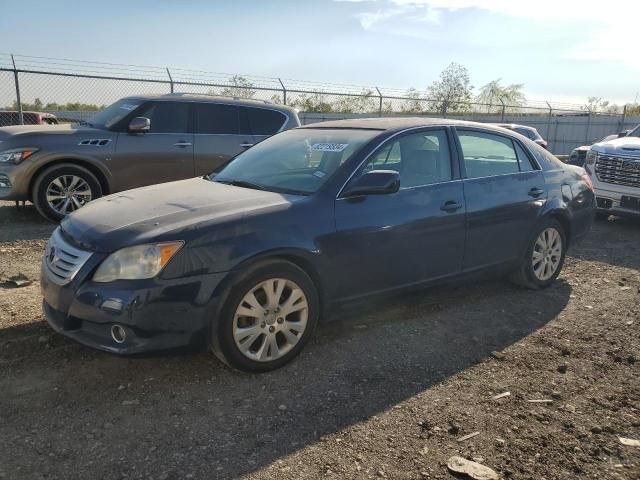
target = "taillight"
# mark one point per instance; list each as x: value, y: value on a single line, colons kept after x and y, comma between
x: 588, y: 181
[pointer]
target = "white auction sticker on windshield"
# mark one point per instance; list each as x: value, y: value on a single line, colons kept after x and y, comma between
x: 328, y: 147
x: 128, y: 106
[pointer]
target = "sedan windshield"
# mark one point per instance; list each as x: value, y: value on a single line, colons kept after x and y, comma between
x: 114, y: 113
x: 297, y: 161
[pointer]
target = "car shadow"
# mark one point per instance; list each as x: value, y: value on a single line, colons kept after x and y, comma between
x: 184, y: 414
x: 22, y: 223
x: 615, y: 241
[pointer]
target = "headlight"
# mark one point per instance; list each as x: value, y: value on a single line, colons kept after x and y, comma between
x: 16, y: 156
x: 592, y: 156
x: 136, y: 263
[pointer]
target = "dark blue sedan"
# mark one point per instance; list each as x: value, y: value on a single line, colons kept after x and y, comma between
x: 247, y: 260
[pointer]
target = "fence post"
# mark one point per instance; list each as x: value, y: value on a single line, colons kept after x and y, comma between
x: 587, y: 133
x: 17, y: 82
x: 549, y: 121
x: 503, y: 109
x: 170, y: 80
x: 624, y: 119
x: 284, y: 92
x: 380, y: 105
x: 445, y: 106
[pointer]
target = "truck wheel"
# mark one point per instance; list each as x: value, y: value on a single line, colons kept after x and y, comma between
x: 62, y: 189
x: 544, y: 257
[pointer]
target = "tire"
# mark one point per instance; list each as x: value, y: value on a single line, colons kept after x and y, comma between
x: 528, y: 272
x: 86, y: 188
x: 291, y: 331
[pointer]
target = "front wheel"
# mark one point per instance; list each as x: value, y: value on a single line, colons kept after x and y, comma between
x: 62, y: 189
x: 544, y: 256
x: 267, y: 318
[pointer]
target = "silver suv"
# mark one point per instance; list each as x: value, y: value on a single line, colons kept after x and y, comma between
x: 137, y: 141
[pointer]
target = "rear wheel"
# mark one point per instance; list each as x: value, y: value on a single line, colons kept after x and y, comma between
x: 62, y: 189
x: 544, y: 256
x: 267, y: 318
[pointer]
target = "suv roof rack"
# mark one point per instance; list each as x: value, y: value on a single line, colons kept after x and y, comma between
x: 180, y: 94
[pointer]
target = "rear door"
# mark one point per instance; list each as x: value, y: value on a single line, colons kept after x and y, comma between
x: 163, y: 154
x: 217, y: 135
x: 504, y: 193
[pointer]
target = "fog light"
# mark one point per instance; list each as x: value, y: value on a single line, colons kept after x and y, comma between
x: 4, y: 182
x: 118, y: 333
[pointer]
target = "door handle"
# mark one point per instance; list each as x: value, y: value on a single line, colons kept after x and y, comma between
x: 535, y: 192
x: 246, y: 145
x: 182, y: 144
x: 451, y: 206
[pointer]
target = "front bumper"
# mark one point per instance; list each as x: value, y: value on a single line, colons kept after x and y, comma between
x: 155, y: 314
x: 608, y: 201
x: 13, y: 185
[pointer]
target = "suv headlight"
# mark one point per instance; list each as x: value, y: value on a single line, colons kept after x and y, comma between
x: 137, y: 262
x: 16, y: 156
x: 592, y: 156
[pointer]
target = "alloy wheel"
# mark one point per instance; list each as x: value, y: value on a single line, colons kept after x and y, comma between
x: 547, y: 253
x: 67, y: 193
x: 270, y: 319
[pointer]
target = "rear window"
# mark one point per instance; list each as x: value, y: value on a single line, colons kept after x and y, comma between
x: 216, y: 119
x: 260, y: 121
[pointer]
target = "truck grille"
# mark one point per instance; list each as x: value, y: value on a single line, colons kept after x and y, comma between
x: 618, y: 170
x: 62, y: 260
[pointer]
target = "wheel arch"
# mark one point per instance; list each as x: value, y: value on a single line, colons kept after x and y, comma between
x: 298, y: 257
x: 96, y: 170
x: 562, y: 217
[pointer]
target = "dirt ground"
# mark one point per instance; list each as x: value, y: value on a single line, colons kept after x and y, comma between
x: 385, y: 391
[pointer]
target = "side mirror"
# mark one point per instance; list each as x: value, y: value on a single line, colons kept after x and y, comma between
x: 375, y: 182
x: 139, y: 125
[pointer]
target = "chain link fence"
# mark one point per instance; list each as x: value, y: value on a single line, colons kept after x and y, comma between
x: 70, y: 91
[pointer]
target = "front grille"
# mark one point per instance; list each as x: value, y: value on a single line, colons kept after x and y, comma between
x: 618, y: 170
x: 63, y: 261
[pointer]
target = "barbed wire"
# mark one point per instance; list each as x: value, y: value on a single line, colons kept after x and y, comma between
x: 238, y: 82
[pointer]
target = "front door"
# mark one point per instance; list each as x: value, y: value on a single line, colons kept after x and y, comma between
x: 416, y: 234
x: 163, y: 154
x: 504, y: 193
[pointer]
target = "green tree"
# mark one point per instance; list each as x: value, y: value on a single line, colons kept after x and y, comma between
x: 493, y: 92
x: 413, y: 102
x: 315, y: 102
x: 363, y: 103
x: 452, y: 91
x: 239, y: 86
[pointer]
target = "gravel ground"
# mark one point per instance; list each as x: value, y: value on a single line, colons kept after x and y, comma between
x: 385, y: 391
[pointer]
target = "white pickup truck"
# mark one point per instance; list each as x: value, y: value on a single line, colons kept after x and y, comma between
x: 614, y: 169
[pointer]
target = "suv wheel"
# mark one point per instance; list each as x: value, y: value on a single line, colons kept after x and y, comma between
x: 267, y: 318
x: 62, y: 189
x: 544, y: 257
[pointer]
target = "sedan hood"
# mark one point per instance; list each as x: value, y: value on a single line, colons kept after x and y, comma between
x: 161, y: 212
x: 629, y: 146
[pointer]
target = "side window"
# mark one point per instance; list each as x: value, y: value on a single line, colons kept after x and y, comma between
x: 216, y: 119
x: 523, y: 159
x: 486, y: 154
x: 260, y: 121
x: 420, y: 158
x: 166, y: 117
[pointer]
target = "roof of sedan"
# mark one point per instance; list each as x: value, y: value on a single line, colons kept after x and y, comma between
x: 397, y: 123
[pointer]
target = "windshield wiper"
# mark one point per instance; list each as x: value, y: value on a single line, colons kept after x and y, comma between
x: 241, y: 183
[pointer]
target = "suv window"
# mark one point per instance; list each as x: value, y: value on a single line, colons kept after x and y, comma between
x: 216, y: 119
x: 166, y: 117
x: 420, y: 158
x: 526, y: 132
x: 260, y: 121
x: 486, y: 154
